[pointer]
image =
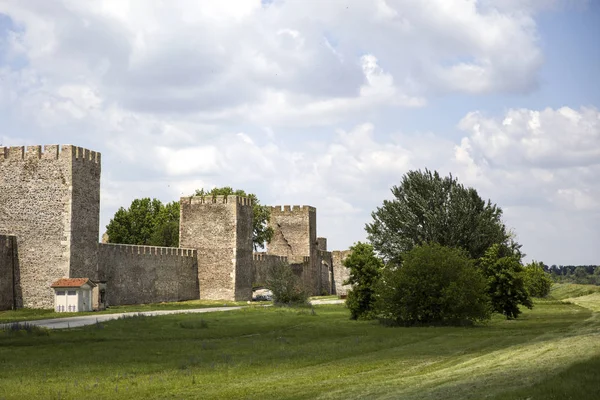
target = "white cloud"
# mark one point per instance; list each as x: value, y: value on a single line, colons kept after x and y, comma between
x: 284, y: 100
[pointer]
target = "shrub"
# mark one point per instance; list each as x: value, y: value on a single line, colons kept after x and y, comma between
x: 435, y: 285
x: 365, y: 269
x: 537, y: 281
x: 286, y: 287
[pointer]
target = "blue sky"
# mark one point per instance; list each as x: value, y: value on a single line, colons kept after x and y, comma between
x: 321, y: 103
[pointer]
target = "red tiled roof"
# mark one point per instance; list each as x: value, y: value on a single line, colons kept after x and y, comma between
x: 72, y: 282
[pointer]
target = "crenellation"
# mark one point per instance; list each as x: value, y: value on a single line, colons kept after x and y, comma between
x: 157, y: 251
x: 34, y: 152
x: 51, y: 152
x: 16, y: 153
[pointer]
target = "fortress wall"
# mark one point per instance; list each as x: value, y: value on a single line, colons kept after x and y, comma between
x: 148, y: 274
x: 220, y: 228
x: 340, y: 273
x: 36, y: 206
x: 8, y: 264
x: 261, y: 265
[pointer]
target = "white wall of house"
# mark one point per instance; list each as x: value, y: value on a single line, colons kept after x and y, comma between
x: 73, y: 299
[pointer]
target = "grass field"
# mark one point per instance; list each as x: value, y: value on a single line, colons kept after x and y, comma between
x: 551, y: 352
x: 28, y: 314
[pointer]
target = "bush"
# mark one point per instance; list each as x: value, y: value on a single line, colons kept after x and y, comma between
x: 365, y: 269
x: 435, y: 285
x: 537, y: 281
x: 287, y: 288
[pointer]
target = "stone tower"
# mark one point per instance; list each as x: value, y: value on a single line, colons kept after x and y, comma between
x: 220, y: 229
x: 50, y: 200
x: 295, y: 236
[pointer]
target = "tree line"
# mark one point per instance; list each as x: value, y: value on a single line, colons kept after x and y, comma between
x: 581, y: 274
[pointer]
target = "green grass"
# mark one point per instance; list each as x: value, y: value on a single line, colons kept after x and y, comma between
x: 562, y: 291
x: 27, y: 314
x: 288, y: 353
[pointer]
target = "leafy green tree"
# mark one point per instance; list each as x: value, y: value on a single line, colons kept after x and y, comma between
x: 537, y: 281
x: 287, y: 288
x: 427, y: 208
x: 166, y: 229
x: 435, y: 285
x: 146, y: 222
x: 506, y: 284
x: 365, y: 268
x: 262, y: 232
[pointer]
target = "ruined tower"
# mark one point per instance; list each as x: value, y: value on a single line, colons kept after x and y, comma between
x: 50, y: 200
x: 295, y: 236
x: 220, y: 229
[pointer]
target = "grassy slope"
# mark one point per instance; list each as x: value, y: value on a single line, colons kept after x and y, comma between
x: 290, y: 353
x: 562, y: 291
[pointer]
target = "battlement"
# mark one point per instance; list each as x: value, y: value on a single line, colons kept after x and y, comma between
x: 148, y: 250
x: 220, y: 199
x: 293, y: 209
x: 268, y: 257
x: 49, y: 152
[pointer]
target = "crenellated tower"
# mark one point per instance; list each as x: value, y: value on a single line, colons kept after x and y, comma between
x: 295, y: 236
x: 220, y: 229
x: 50, y: 200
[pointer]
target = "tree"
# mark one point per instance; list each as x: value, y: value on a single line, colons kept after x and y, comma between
x: 435, y: 285
x: 261, y: 232
x: 146, y: 222
x: 537, y: 281
x: 365, y: 269
x: 506, y: 285
x: 286, y: 287
x: 430, y: 209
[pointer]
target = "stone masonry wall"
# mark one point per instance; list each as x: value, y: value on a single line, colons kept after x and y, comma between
x: 85, y: 214
x: 325, y: 263
x: 8, y: 263
x: 147, y: 274
x: 211, y: 225
x: 340, y: 273
x: 295, y: 235
x: 36, y: 205
x: 261, y: 264
x: 244, y: 248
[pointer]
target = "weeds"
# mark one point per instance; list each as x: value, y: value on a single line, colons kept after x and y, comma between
x: 20, y: 328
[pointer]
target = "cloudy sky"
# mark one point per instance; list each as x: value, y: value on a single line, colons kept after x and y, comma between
x: 325, y: 103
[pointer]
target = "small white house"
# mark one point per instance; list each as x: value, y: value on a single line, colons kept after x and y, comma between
x: 73, y: 294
